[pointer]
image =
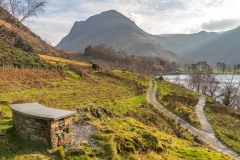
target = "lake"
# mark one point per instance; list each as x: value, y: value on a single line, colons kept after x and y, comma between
x: 181, y: 79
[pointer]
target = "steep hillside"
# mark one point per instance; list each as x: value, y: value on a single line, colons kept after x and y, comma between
x: 181, y: 44
x: 223, y: 49
x: 126, y: 126
x: 15, y: 57
x: 115, y: 30
x: 22, y: 37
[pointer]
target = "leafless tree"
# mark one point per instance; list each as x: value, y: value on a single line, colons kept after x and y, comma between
x: 213, y: 87
x: 20, y: 10
x: 177, y: 79
x: 230, y: 94
x: 205, y: 82
x: 195, y: 80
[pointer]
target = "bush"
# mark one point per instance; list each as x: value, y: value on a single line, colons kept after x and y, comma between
x: 77, y: 69
x: 161, y: 78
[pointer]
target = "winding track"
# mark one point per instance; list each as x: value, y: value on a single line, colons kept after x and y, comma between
x: 206, y: 127
x: 207, y: 135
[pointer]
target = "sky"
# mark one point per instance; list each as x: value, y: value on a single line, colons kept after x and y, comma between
x: 153, y: 16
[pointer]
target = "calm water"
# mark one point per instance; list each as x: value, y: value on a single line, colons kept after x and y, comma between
x: 181, y: 79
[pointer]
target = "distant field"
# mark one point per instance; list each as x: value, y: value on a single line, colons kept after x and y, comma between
x: 64, y: 61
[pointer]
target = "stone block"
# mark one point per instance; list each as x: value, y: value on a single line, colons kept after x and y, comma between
x: 59, y: 132
x: 67, y: 138
x: 34, y: 138
x: 68, y: 121
x: 52, y: 132
x: 29, y: 130
x: 28, y: 122
x: 54, y: 124
x: 37, y: 124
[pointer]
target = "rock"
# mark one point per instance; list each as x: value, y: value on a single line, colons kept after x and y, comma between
x: 28, y: 130
x: 84, y: 143
x: 83, y: 119
x: 96, y: 113
x: 80, y: 110
x: 34, y: 138
x: 3, y: 133
x: 194, y: 144
x: 107, y: 112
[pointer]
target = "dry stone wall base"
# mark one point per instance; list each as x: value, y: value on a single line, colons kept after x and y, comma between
x: 32, y: 129
x: 52, y: 133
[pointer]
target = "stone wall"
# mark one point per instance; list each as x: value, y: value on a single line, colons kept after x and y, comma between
x: 52, y: 133
x: 61, y: 132
x: 32, y: 129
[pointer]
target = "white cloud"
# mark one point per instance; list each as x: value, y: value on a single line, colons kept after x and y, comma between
x: 153, y: 16
x: 221, y: 25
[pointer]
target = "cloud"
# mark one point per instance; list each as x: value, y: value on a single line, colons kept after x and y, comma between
x: 221, y: 25
x: 153, y: 16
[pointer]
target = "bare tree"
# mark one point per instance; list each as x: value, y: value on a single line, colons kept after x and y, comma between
x: 20, y: 10
x: 206, y: 83
x: 195, y: 80
x: 230, y: 94
x: 205, y: 79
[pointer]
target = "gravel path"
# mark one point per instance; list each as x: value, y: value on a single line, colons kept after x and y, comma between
x: 206, y: 127
x: 82, y: 134
x: 206, y: 137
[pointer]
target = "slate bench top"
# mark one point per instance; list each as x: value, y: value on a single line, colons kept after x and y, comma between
x: 38, y: 111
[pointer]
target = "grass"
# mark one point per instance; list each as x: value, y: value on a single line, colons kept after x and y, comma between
x: 135, y: 131
x: 128, y: 135
x: 64, y: 61
x: 225, y: 122
x: 179, y: 100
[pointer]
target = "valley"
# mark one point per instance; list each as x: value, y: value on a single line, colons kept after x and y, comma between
x: 135, y: 95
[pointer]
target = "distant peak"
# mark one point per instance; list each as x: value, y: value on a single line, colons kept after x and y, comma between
x: 202, y: 32
x: 111, y: 11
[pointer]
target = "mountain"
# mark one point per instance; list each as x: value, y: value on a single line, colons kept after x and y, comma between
x: 181, y: 44
x: 114, y: 30
x: 225, y: 48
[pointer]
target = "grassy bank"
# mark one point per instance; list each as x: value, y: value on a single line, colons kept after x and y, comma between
x: 133, y: 130
x: 179, y: 100
x: 225, y: 122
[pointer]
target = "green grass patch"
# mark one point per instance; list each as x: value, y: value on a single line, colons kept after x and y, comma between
x: 134, y: 131
x: 179, y: 100
x: 225, y: 122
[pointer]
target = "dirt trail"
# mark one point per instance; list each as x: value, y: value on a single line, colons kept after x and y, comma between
x: 206, y: 127
x: 207, y: 137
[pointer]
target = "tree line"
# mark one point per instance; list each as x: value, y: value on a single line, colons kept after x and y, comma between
x: 203, y: 66
x: 108, y: 57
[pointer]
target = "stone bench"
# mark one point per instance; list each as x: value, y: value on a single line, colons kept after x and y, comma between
x: 39, y: 123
